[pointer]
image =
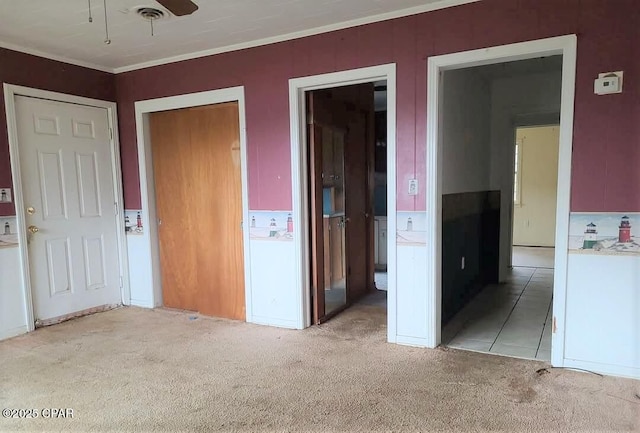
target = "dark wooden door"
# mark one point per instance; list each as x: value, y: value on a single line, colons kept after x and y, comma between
x: 319, y: 243
x: 357, y: 212
x: 346, y: 114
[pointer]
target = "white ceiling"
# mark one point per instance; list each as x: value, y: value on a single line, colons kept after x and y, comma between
x: 60, y: 28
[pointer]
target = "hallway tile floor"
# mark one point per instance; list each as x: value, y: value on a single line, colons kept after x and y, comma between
x: 535, y: 257
x: 512, y: 319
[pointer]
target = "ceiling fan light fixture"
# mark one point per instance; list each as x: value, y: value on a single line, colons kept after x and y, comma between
x: 150, y: 13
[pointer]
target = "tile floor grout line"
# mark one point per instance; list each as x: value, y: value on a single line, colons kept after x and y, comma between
x: 546, y: 317
x: 468, y: 319
x: 511, y: 312
x: 545, y: 325
x: 522, y: 292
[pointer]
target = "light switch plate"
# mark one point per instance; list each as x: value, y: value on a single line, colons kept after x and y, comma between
x: 5, y: 195
x: 413, y: 186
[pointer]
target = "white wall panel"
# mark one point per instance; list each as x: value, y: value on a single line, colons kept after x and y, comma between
x: 603, y: 313
x: 140, y: 278
x: 412, y: 306
x: 466, y: 132
x: 13, y: 319
x: 275, y: 292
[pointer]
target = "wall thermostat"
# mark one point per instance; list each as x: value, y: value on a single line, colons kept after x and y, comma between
x: 607, y: 83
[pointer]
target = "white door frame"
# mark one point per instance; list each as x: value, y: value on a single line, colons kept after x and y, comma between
x: 10, y: 92
x: 147, y: 184
x: 562, y: 45
x: 299, y: 176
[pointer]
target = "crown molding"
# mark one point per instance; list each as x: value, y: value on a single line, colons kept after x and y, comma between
x: 63, y: 59
x: 296, y: 35
x: 443, y: 4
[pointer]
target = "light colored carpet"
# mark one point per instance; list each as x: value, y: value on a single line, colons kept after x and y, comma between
x: 534, y: 257
x: 141, y: 370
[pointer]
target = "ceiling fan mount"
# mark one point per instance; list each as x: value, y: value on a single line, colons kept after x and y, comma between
x: 150, y: 13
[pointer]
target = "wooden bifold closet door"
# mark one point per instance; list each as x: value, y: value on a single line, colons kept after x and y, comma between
x: 196, y: 163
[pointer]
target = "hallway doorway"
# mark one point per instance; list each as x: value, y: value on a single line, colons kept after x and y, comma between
x: 535, y: 195
x: 487, y: 304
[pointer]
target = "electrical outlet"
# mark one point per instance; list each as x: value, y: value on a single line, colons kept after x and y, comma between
x: 413, y: 186
x: 462, y: 264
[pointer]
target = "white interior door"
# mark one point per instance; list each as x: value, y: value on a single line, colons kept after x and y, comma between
x: 67, y: 179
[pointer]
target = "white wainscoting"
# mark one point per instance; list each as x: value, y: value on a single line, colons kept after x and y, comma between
x: 140, y: 276
x: 412, y: 304
x: 275, y: 292
x: 603, y: 314
x: 13, y: 318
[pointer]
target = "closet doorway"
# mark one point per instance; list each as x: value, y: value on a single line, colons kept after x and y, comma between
x: 198, y: 191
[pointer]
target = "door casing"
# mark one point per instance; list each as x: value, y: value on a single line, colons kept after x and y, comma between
x: 10, y: 92
x: 147, y: 190
x: 300, y: 179
x: 561, y: 45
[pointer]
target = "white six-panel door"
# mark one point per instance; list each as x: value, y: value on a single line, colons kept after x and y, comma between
x: 69, y: 198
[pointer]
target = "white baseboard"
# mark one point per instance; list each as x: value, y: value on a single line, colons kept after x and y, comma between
x: 412, y: 341
x: 142, y: 304
x: 608, y: 369
x: 269, y: 321
x: 10, y: 333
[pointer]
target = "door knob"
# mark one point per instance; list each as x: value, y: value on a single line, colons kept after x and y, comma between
x: 33, y: 229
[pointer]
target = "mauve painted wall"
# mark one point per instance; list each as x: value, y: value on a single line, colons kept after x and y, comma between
x: 32, y: 71
x: 606, y: 153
